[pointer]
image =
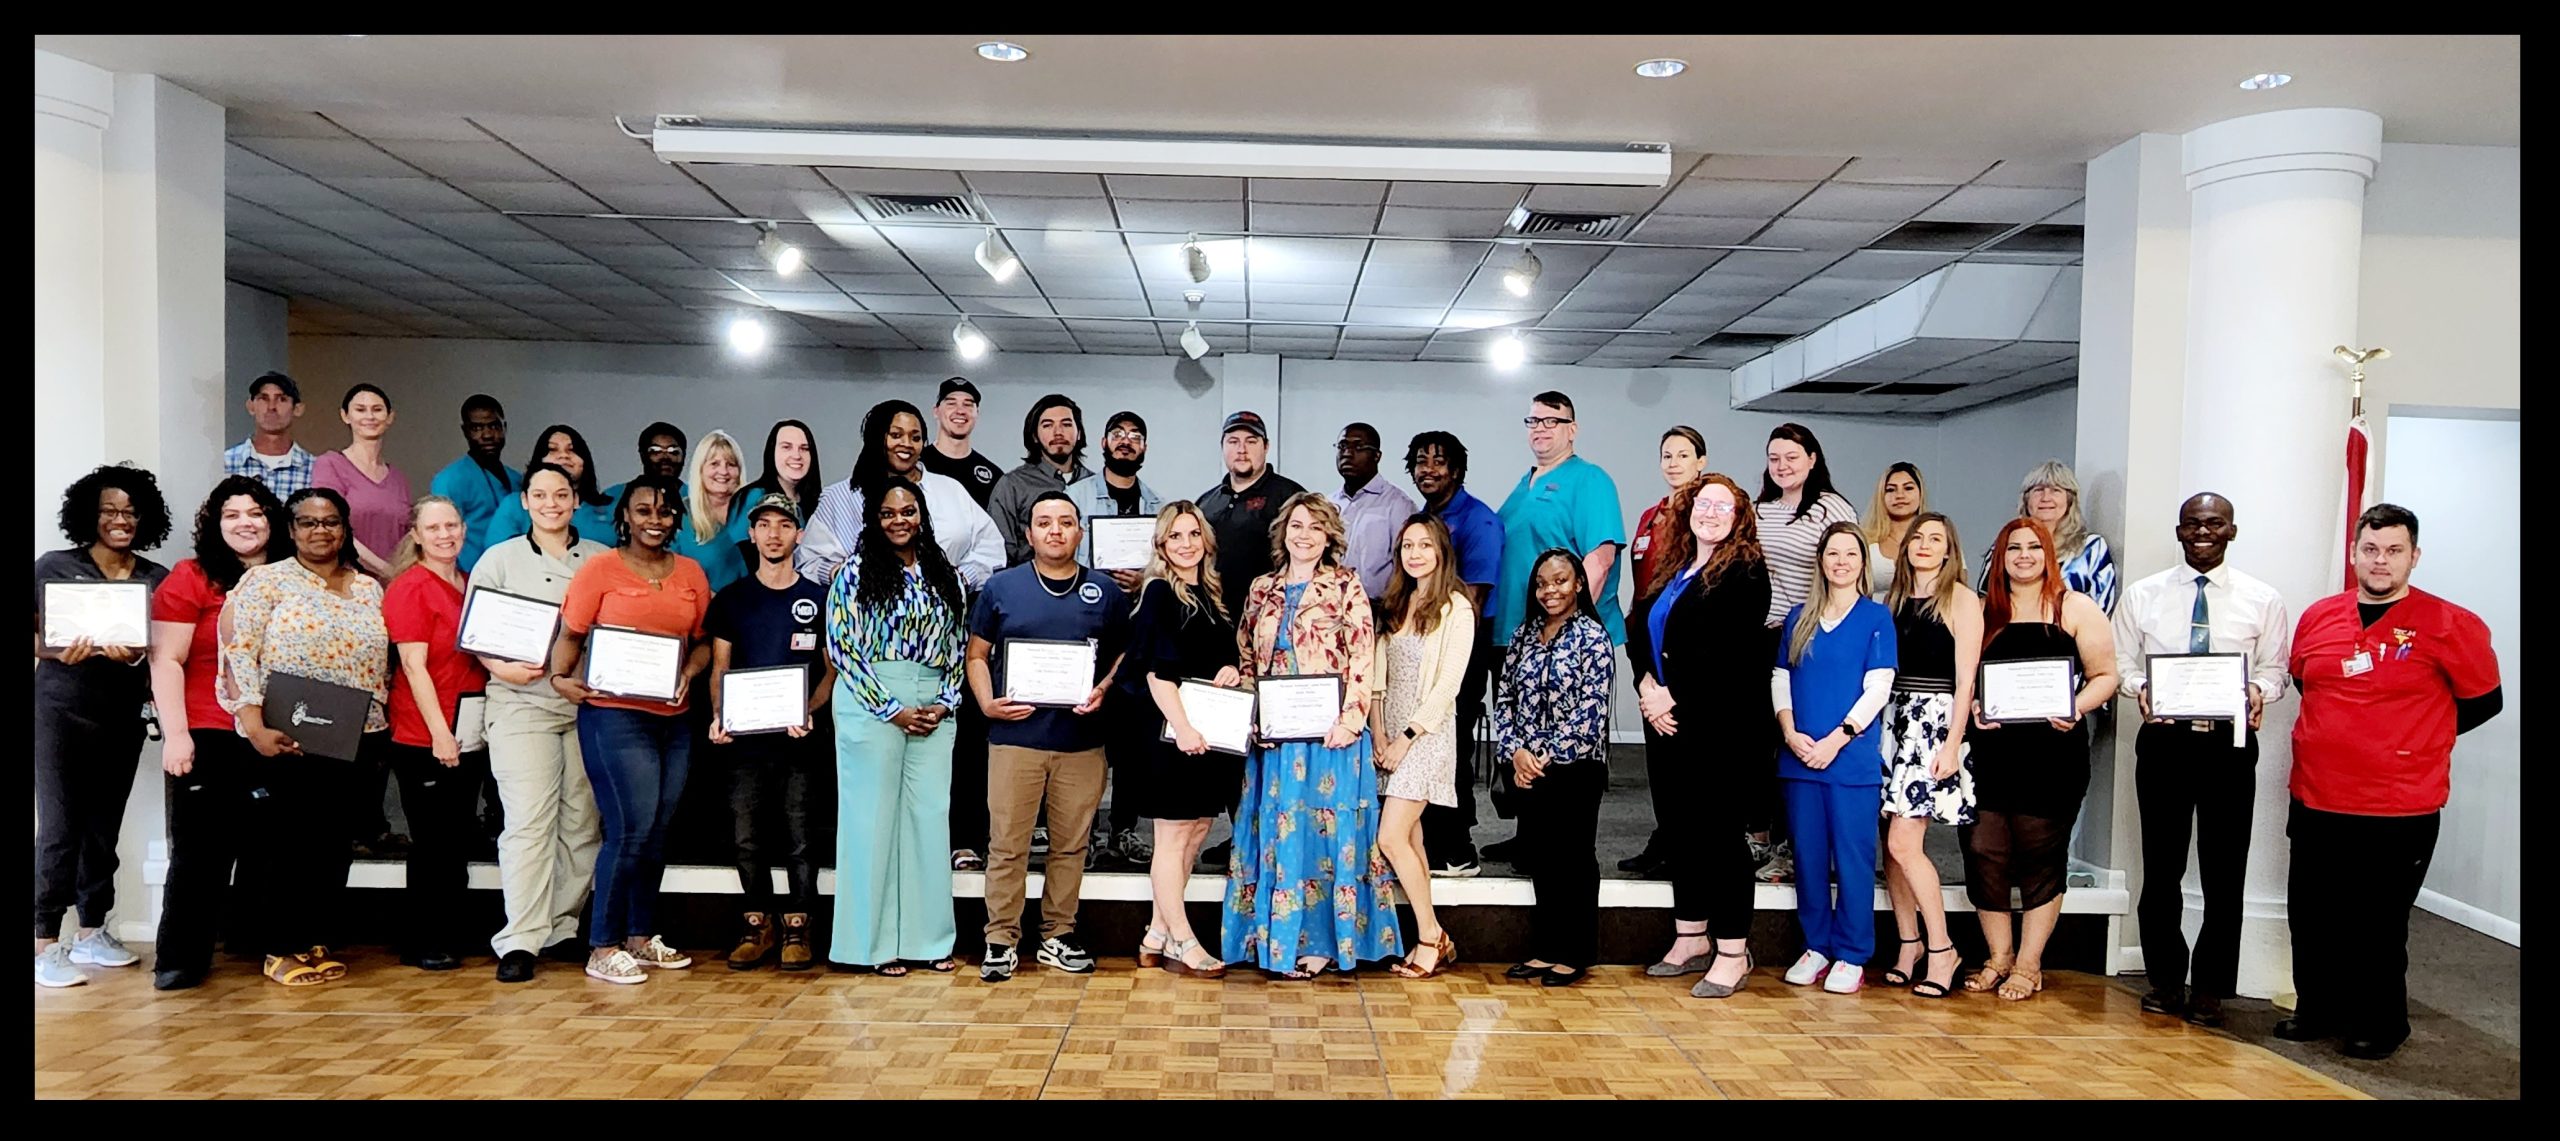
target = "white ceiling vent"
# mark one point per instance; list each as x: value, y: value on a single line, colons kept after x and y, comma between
x: 1526, y: 222
x: 917, y: 207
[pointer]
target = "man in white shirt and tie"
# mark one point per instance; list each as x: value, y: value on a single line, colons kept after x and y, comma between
x: 2198, y: 776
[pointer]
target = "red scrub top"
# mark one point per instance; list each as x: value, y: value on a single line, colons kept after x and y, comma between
x: 2375, y: 735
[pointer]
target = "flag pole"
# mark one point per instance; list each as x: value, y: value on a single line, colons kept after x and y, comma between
x: 2357, y: 444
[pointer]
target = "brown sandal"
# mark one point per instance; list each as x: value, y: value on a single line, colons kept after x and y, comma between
x: 1149, y: 956
x: 292, y: 970
x: 329, y: 968
x: 1443, y: 953
x: 1988, y: 978
x: 1177, y: 959
x: 2022, y: 984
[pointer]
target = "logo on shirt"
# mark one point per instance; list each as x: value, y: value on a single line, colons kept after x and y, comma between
x: 983, y: 473
x: 1255, y: 504
x: 2405, y: 640
x: 1091, y: 593
x: 804, y: 610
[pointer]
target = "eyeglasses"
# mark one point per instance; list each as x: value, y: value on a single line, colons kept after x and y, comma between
x: 1125, y: 436
x: 1717, y: 510
x: 118, y: 514
x: 1354, y: 446
x: 332, y: 523
x: 662, y: 450
x: 1546, y: 421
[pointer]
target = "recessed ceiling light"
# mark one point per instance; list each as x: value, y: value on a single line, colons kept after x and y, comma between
x: 2265, y: 81
x: 1510, y: 352
x: 747, y: 335
x: 1661, y: 68
x: 1002, y: 52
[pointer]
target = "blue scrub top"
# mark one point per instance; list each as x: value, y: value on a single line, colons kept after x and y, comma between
x: 1824, y: 686
x: 1574, y: 507
x: 478, y: 493
x: 1476, y: 533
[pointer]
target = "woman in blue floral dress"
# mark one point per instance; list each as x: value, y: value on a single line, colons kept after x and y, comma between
x: 1307, y: 887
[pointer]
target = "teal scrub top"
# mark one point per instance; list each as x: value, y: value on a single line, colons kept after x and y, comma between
x: 1574, y: 507
x: 477, y: 493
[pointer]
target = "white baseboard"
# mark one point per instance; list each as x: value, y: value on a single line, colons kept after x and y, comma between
x: 2495, y: 926
x: 1626, y: 736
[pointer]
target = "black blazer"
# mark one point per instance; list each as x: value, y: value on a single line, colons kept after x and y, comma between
x: 1716, y: 652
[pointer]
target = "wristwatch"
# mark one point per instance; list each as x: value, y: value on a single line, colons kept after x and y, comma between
x: 1409, y: 734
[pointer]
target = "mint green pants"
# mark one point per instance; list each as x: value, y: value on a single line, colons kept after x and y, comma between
x: 893, y: 827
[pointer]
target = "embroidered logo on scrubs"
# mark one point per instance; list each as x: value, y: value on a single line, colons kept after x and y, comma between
x: 804, y: 610
x: 2405, y: 640
x: 1091, y: 594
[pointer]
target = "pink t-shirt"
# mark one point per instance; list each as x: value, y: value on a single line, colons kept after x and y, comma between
x: 378, y: 512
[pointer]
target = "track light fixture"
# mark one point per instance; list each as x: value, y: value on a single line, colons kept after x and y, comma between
x: 997, y: 258
x: 1195, y: 259
x: 1194, y: 345
x: 1510, y: 351
x: 972, y: 344
x: 1523, y: 273
x: 784, y: 257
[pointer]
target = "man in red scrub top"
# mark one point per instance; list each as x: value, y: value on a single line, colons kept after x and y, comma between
x: 2389, y: 676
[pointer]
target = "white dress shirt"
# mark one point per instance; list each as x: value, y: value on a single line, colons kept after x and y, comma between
x: 2243, y: 615
x: 967, y: 535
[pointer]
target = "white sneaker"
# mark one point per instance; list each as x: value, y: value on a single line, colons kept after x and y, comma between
x: 656, y: 953
x: 617, y: 967
x: 54, y: 969
x: 1845, y: 978
x: 1807, y: 969
x: 99, y: 949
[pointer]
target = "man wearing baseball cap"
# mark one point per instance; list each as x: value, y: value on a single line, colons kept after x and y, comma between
x: 269, y: 454
x: 772, y: 617
x: 955, y: 415
x: 1242, y: 507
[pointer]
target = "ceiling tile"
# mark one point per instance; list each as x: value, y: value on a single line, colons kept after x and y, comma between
x: 1816, y: 235
x: 1015, y: 184
x: 800, y: 302
x: 482, y: 160
x: 1434, y: 222
x: 1318, y: 192
x: 1912, y: 171
x: 1276, y: 311
x: 406, y: 194
x: 620, y: 162
x: 572, y: 276
x: 513, y: 195
x: 675, y: 276
x: 1701, y: 231
x: 1103, y: 306
x: 1885, y: 265
x: 2076, y: 215
x: 1999, y: 204
x: 1793, y: 267
x: 1172, y: 188
x: 715, y: 234
x: 665, y: 198
x: 325, y: 158
x: 1296, y: 294
x: 521, y: 254
x: 1299, y: 218
x: 906, y: 303
x: 268, y: 123
x: 1843, y: 202
x: 1012, y: 211
x: 2042, y: 175
x: 1780, y: 168
x: 531, y: 130
x: 1783, y: 326
x: 594, y: 230
x: 1727, y: 198
x: 1181, y: 216
x: 1421, y: 318
x: 1682, y: 264
x: 241, y: 162
x: 868, y: 180
x: 287, y: 193
x: 652, y: 253
x: 1594, y: 199
x: 1502, y: 196
x: 478, y: 222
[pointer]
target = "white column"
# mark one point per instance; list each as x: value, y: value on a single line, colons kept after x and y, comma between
x: 2277, y: 223
x: 74, y: 103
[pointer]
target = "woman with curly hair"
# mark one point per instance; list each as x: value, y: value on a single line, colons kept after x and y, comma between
x: 89, y: 720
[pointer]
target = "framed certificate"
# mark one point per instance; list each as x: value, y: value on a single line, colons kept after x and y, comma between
x: 1222, y: 717
x: 2029, y: 689
x: 107, y: 613
x: 1121, y: 542
x: 1298, y: 708
x: 508, y: 627
x: 623, y: 662
x: 2198, y: 687
x: 1039, y: 671
x: 769, y: 699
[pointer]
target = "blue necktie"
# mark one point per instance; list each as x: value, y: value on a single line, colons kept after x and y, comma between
x: 2199, y: 629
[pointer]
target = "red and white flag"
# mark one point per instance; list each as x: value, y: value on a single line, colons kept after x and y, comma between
x: 2358, y: 442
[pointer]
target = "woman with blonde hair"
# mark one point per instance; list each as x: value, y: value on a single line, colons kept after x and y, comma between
x: 1899, y: 499
x: 1307, y: 888
x: 1414, y: 717
x: 1937, y: 625
x: 714, y: 529
x: 1182, y: 633
x: 2050, y: 495
x: 439, y: 784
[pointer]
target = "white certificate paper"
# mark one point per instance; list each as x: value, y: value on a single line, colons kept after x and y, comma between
x: 107, y: 613
x: 1222, y: 717
x: 508, y: 627
x: 623, y: 662
x: 1299, y: 708
x: 2029, y: 689
x: 2198, y: 687
x: 1043, y: 672
x: 769, y: 699
x: 1121, y: 542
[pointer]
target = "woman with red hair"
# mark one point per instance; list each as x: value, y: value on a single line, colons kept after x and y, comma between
x: 2028, y: 777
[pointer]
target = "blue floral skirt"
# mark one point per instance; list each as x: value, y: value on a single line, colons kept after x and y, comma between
x: 1307, y: 877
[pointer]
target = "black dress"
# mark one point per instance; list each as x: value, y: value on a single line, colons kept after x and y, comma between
x: 2031, y: 769
x: 1175, y: 642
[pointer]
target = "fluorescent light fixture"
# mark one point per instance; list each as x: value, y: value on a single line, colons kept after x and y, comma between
x: 1510, y: 352
x: 747, y: 334
x: 2265, y: 81
x: 1003, y: 52
x: 1194, y: 345
x: 1523, y: 274
x: 1624, y: 165
x: 971, y: 343
x: 997, y: 258
x: 1194, y: 259
x: 1661, y: 68
x: 784, y: 257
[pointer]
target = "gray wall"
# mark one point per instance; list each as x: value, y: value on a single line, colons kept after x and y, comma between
x: 253, y: 344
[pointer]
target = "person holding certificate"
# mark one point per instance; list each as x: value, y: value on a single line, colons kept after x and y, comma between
x: 1181, y: 639
x: 1044, y: 641
x: 547, y: 850
x: 1702, y: 642
x: 1119, y: 512
x: 1937, y: 629
x: 895, y: 632
x: 631, y: 644
x: 1550, y: 720
x: 316, y: 617
x: 2030, y: 751
x: 1308, y: 888
x: 1413, y: 711
x: 768, y: 681
x: 2202, y: 649
x: 241, y: 525
x: 422, y: 611
x: 93, y: 626
x: 1836, y: 658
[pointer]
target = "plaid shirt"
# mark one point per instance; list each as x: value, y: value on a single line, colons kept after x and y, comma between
x: 242, y: 459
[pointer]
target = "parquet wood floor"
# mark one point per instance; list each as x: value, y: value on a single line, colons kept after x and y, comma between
x: 388, y: 1031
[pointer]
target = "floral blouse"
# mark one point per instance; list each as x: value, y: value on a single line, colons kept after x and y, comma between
x: 920, y: 628
x: 1332, y: 631
x: 283, y: 618
x: 1554, y: 696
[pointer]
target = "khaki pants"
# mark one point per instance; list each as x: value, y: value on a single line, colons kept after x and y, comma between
x: 1017, y: 780
x: 547, y: 854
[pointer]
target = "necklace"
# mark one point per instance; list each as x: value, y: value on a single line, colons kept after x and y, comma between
x: 1044, y: 584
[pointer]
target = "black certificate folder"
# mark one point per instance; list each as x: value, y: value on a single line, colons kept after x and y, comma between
x: 327, y: 720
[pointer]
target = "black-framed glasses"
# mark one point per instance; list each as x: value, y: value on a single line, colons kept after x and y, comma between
x: 118, y: 514
x: 324, y: 523
x: 662, y: 450
x: 1354, y: 446
x: 1546, y: 421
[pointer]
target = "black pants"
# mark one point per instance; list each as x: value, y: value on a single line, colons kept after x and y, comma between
x: 1698, y: 779
x: 208, y: 815
x: 2189, y: 782
x: 1448, y: 833
x: 771, y: 782
x: 85, y: 761
x: 2354, y: 879
x: 367, y: 791
x: 294, y: 860
x: 441, y: 805
x: 969, y: 778
x: 1564, y: 925
x: 1133, y: 726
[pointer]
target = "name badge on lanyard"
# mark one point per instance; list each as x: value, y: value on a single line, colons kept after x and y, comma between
x: 2361, y: 663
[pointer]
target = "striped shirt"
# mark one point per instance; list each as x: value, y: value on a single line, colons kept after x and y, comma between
x: 1788, y: 544
x: 920, y: 628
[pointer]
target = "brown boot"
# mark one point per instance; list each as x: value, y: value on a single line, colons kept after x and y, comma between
x: 795, y: 942
x: 755, y: 945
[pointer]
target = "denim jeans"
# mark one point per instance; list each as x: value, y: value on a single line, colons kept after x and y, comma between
x: 637, y: 763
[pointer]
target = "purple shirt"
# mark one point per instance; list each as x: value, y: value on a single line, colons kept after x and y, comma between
x: 378, y: 513
x: 1370, y: 519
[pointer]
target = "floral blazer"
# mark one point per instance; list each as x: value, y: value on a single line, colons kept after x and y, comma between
x: 1553, y: 699
x: 1336, y: 633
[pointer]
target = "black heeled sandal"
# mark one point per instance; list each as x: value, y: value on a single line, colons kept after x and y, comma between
x: 1929, y: 987
x: 1895, y: 975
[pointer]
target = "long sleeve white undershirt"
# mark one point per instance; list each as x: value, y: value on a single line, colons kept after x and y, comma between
x: 1874, y: 691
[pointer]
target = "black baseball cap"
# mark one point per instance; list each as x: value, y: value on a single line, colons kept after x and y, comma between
x: 1249, y: 421
x: 292, y: 391
x: 957, y: 384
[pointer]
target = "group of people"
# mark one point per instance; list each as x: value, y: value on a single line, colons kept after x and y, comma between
x: 900, y: 589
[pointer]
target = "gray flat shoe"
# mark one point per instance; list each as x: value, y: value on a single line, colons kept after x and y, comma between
x: 1696, y: 964
x: 1709, y: 988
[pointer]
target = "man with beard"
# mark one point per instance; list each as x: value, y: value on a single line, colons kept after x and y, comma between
x: 1242, y: 507
x: 1052, y: 458
x: 1131, y: 712
x: 955, y: 412
x: 479, y: 481
x: 1373, y: 511
x: 1437, y: 463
